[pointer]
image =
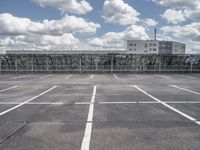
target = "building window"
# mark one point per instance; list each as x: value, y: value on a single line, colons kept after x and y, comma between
x: 135, y: 49
x: 150, y: 49
x: 135, y: 45
x: 131, y: 44
x: 154, y: 44
x: 145, y: 45
x: 150, y: 44
x: 154, y: 49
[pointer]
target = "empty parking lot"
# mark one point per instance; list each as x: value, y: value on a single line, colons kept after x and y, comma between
x: 100, y: 111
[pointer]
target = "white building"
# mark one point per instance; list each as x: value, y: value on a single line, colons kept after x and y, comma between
x: 154, y: 47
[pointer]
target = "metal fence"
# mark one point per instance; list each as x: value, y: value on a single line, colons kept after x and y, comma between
x: 99, y: 63
x: 101, y: 68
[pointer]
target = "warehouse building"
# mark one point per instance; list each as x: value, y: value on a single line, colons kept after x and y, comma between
x: 154, y: 47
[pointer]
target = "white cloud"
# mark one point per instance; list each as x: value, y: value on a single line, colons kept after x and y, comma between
x: 115, y: 40
x: 12, y: 41
x: 175, y: 16
x: 151, y: 22
x: 189, y: 31
x: 73, y: 6
x: 194, y: 15
x: 65, y: 41
x: 179, y: 3
x: 45, y: 40
x: 12, y: 25
x: 58, y: 34
x: 119, y: 12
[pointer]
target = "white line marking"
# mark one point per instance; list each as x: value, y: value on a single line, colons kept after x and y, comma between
x: 21, y: 104
x: 22, y: 76
x: 68, y: 76
x: 198, y: 122
x: 115, y: 76
x: 90, y: 114
x: 153, y: 102
x: 88, y: 103
x: 175, y: 86
x: 92, y: 76
x: 33, y: 103
x: 166, y: 77
x: 168, y: 106
x: 9, y: 88
x: 3, y: 75
x: 45, y: 76
x: 182, y: 102
x: 189, y: 77
x: 83, y: 103
x: 138, y: 76
x: 87, y: 137
x: 88, y: 130
x: 118, y: 102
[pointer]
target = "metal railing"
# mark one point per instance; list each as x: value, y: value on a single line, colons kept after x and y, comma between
x: 100, y: 68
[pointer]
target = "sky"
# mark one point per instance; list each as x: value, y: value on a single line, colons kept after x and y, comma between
x: 96, y: 24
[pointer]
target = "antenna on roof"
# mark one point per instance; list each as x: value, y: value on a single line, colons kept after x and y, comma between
x: 155, y: 34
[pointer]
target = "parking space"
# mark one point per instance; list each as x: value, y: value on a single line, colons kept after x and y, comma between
x: 99, y: 111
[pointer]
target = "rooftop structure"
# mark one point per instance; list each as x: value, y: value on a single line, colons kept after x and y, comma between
x: 154, y: 47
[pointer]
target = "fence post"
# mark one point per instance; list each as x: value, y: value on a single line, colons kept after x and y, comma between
x: 0, y: 64
x: 191, y: 67
x: 16, y: 63
x: 112, y: 59
x: 159, y: 64
x: 143, y: 65
x: 47, y: 67
x: 80, y: 64
x: 32, y: 63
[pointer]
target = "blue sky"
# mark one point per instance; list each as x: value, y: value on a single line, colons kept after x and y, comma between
x: 96, y: 24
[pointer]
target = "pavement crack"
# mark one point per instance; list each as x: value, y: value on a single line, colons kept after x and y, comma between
x: 13, y: 133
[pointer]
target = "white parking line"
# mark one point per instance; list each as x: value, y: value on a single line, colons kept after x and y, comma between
x: 88, y: 103
x: 92, y: 76
x: 13, y: 87
x: 138, y: 76
x: 189, y: 77
x: 3, y: 75
x: 168, y: 106
x: 88, y: 130
x: 33, y: 103
x: 68, y: 76
x: 45, y: 76
x: 180, y: 88
x: 83, y: 103
x: 152, y: 102
x: 22, y: 76
x: 166, y: 77
x: 21, y: 104
x: 118, y: 102
x: 115, y: 76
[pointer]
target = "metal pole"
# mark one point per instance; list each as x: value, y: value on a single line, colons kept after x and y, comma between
x: 16, y: 63
x: 32, y: 63
x: 160, y: 60
x: 191, y: 67
x: 0, y: 64
x: 143, y: 65
x: 80, y: 64
x: 112, y: 59
x: 47, y: 61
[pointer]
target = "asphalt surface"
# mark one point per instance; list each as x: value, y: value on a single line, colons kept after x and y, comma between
x: 100, y: 111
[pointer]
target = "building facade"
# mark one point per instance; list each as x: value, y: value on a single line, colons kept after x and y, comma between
x: 154, y: 47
